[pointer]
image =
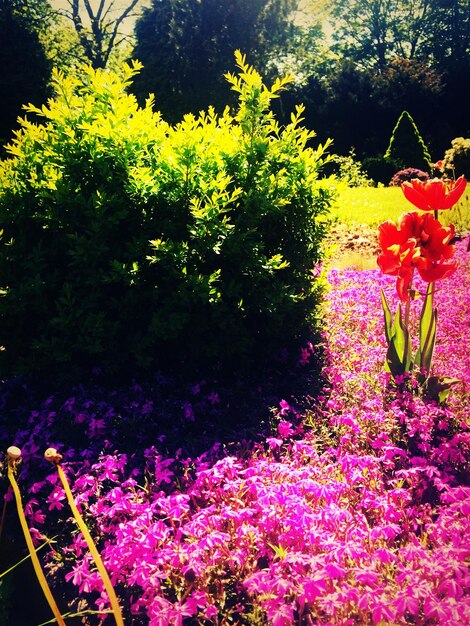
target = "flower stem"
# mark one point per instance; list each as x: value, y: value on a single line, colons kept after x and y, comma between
x: 91, y: 546
x: 29, y: 542
x: 28, y: 556
x: 4, y: 510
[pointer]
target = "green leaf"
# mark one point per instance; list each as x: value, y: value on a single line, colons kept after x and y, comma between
x: 427, y: 333
x: 387, y: 317
x: 438, y: 387
x: 399, y: 354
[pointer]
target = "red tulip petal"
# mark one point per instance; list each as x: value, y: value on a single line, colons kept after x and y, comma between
x: 388, y: 235
x: 415, y: 197
x: 389, y: 264
x: 403, y: 284
x: 455, y: 193
x: 435, y: 194
x: 437, y: 271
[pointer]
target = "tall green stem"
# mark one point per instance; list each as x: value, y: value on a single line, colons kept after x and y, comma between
x: 14, y: 454
x: 53, y: 457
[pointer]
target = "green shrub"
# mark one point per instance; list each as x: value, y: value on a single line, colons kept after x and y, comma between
x: 380, y: 169
x: 130, y: 243
x: 407, y: 147
x: 349, y: 170
x: 457, y: 158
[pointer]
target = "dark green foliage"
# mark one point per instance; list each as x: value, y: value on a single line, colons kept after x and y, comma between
x: 373, y: 32
x: 129, y: 243
x: 186, y: 47
x: 350, y: 110
x: 406, y: 146
x: 380, y: 168
x: 457, y: 158
x: 25, y: 70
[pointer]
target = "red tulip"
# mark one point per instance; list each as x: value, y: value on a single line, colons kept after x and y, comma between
x: 435, y: 194
x: 418, y: 242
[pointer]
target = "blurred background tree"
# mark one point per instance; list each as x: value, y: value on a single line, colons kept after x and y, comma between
x: 357, y: 64
x: 25, y: 68
x: 100, y: 26
x: 186, y: 47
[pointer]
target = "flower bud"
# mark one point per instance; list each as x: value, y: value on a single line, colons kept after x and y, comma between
x: 13, y: 453
x: 52, y: 456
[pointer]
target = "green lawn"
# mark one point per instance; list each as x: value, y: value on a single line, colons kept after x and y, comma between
x: 373, y: 205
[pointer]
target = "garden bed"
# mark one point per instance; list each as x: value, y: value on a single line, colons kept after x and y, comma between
x: 348, y: 507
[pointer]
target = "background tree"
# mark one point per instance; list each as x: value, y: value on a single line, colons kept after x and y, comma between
x: 99, y: 26
x: 25, y: 69
x: 348, y: 111
x: 372, y: 32
x: 448, y: 33
x: 186, y: 47
x: 391, y: 55
x: 413, y: 84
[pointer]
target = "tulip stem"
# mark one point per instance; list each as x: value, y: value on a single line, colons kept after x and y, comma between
x: 407, y: 326
x: 4, y: 510
x: 32, y: 551
x: 407, y: 319
x: 91, y: 546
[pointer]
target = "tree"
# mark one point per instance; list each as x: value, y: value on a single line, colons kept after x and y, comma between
x: 25, y: 69
x: 35, y: 15
x: 187, y: 46
x: 371, y: 32
x: 448, y: 34
x: 407, y: 147
x: 342, y: 105
x: 98, y: 25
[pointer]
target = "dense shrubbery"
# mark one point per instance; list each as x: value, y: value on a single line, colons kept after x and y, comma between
x: 408, y: 174
x: 349, y: 170
x: 128, y: 242
x: 457, y: 158
x: 406, y: 150
x: 380, y: 168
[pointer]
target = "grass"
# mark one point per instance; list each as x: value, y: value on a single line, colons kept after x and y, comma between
x: 459, y: 215
x: 369, y: 205
x: 373, y: 205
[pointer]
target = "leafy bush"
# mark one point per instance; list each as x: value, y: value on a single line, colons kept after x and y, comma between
x: 406, y: 175
x: 130, y: 243
x: 348, y: 170
x: 407, y: 146
x: 457, y: 158
x: 379, y: 168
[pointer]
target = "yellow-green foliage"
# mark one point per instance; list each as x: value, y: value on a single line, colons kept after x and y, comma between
x: 459, y: 215
x: 131, y: 242
x: 457, y: 158
x: 374, y: 205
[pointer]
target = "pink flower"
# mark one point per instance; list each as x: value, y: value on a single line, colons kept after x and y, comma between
x: 285, y: 429
x: 55, y: 499
x: 213, y: 398
x: 285, y: 408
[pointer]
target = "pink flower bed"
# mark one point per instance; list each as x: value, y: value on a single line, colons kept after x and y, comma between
x: 354, y: 510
